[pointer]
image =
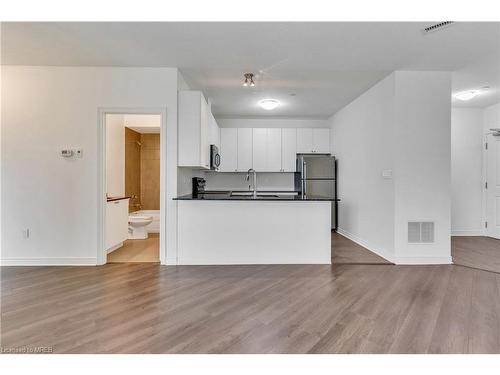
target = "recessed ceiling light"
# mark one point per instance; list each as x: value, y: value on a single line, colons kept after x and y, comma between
x: 269, y: 104
x: 469, y: 94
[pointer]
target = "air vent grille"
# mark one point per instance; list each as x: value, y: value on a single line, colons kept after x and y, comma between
x: 437, y: 26
x: 420, y: 232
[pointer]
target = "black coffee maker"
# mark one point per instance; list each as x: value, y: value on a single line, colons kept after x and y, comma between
x: 198, y: 186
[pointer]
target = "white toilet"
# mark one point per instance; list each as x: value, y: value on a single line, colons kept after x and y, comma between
x: 137, y: 226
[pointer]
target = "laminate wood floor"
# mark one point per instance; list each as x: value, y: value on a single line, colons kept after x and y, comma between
x: 476, y: 252
x: 345, y: 251
x: 148, y: 308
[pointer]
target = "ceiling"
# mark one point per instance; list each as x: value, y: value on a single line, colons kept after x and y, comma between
x: 313, y: 69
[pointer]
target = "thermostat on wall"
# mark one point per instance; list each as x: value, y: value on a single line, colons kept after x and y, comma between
x: 66, y: 153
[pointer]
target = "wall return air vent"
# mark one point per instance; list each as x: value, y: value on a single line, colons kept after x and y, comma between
x: 420, y: 232
x: 437, y: 27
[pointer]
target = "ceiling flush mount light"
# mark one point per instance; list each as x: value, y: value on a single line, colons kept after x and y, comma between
x: 469, y: 94
x: 248, y: 80
x: 466, y: 95
x: 269, y: 104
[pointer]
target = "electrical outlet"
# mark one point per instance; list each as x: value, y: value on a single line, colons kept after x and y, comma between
x: 26, y: 233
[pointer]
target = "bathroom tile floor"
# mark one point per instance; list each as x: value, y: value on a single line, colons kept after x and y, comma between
x: 137, y: 251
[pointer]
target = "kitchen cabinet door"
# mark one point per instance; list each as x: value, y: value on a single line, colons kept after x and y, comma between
x: 288, y: 149
x: 245, y: 152
x: 228, y: 150
x: 304, y: 141
x: 213, y: 131
x: 321, y: 140
x: 193, y: 139
x: 259, y: 154
x: 273, y: 143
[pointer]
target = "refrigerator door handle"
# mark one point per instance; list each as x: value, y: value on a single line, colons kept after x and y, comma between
x: 304, y: 180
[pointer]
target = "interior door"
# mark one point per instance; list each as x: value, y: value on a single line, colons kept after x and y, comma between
x: 493, y: 187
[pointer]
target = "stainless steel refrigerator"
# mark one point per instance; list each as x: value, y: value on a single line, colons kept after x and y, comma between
x: 317, y: 175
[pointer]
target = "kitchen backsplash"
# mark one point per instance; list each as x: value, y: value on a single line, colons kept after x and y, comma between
x: 236, y: 181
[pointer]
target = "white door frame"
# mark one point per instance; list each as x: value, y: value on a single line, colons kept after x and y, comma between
x: 101, y: 174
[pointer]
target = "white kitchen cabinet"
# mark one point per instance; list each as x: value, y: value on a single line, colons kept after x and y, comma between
x: 304, y: 141
x: 313, y: 140
x: 321, y: 140
x: 228, y: 150
x: 260, y: 149
x: 193, y: 137
x: 116, y: 223
x: 244, y: 149
x: 288, y: 149
x: 267, y: 150
x: 213, y: 131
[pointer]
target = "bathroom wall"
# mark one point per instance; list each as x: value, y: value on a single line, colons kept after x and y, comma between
x: 150, y: 171
x: 133, y: 168
x: 115, y: 167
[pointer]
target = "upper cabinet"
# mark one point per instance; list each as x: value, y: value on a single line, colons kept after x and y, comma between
x: 213, y: 131
x: 288, y: 149
x: 313, y: 140
x: 321, y: 140
x: 244, y: 149
x: 267, y: 150
x: 228, y: 150
x: 193, y: 116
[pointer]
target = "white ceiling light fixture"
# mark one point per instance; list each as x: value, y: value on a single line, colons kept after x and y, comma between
x: 269, y: 104
x: 469, y: 94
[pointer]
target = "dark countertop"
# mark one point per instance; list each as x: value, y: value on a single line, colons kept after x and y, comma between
x: 111, y: 199
x: 262, y: 196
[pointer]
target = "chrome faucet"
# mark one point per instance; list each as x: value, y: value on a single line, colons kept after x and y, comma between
x: 251, y: 170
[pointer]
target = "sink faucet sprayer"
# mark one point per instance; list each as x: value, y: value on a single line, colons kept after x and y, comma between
x: 251, y: 170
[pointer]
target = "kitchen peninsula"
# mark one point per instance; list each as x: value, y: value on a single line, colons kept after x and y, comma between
x: 238, y: 228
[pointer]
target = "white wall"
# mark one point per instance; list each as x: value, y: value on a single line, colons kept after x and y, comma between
x: 271, y: 123
x: 45, y: 109
x: 491, y: 117
x: 466, y: 171
x: 362, y: 141
x: 115, y: 155
x: 401, y: 124
x: 422, y: 165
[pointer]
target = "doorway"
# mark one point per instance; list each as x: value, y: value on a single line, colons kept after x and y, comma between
x: 132, y: 203
x: 492, y: 185
x: 483, y: 252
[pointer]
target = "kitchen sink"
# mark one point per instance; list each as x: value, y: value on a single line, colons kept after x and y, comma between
x: 250, y: 194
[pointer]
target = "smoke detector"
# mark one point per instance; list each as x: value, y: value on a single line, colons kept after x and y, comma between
x: 437, y: 27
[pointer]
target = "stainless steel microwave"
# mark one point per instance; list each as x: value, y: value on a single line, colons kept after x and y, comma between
x: 214, y: 158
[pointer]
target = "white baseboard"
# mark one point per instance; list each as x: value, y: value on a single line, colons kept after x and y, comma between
x: 91, y: 261
x: 374, y: 249
x: 468, y: 232
x: 395, y: 259
x: 423, y: 260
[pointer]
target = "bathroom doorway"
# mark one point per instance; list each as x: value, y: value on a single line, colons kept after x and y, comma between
x: 132, y: 200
